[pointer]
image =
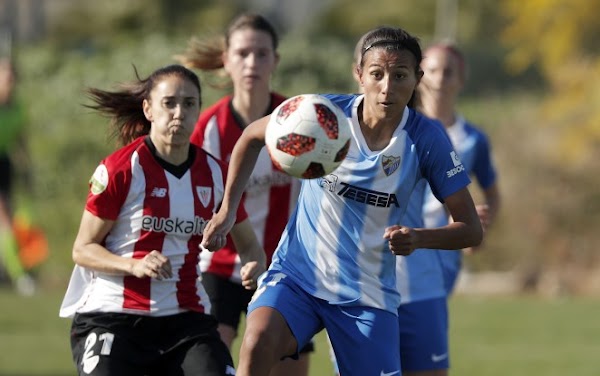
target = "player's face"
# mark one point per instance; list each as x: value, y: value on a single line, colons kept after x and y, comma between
x: 388, y: 79
x: 173, y: 109
x: 250, y: 59
x: 442, y: 78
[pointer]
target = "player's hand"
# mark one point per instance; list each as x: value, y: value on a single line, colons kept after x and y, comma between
x: 471, y: 250
x: 154, y: 265
x: 250, y: 273
x: 483, y: 211
x: 215, y: 232
x: 401, y: 240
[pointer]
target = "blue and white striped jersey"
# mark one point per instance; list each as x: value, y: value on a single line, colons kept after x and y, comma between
x: 333, y: 245
x: 431, y: 274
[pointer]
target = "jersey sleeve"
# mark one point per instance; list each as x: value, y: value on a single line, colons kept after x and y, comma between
x: 106, y: 193
x: 206, y: 133
x: 483, y: 168
x: 197, y: 137
x: 440, y: 165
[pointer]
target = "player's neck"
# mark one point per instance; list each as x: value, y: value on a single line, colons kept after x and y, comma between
x: 251, y: 106
x: 444, y: 112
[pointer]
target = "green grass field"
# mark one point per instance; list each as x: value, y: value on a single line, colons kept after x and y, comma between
x: 517, y: 336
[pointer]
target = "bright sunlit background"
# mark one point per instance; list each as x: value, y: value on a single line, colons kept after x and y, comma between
x: 533, y: 86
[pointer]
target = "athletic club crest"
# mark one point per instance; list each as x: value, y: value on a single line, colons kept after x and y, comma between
x: 390, y: 164
x: 204, y: 194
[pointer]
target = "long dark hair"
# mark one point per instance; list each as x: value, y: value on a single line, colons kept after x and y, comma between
x: 124, y: 106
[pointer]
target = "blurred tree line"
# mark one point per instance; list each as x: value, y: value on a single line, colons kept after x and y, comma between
x: 545, y: 48
x: 567, y: 52
x: 560, y: 39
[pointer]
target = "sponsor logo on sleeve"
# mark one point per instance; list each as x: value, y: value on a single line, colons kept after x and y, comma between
x: 458, y: 166
x: 99, y: 180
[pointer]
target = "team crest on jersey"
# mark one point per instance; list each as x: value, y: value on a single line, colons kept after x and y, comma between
x: 390, y: 164
x: 204, y: 194
x: 99, y: 180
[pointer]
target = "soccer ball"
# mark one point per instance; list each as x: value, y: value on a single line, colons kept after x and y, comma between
x: 308, y: 136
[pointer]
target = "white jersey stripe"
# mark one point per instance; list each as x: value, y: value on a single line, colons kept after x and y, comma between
x: 333, y: 246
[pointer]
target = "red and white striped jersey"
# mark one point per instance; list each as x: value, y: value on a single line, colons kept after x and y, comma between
x: 270, y: 194
x: 152, y: 210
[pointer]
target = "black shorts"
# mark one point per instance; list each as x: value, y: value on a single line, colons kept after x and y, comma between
x: 122, y: 344
x: 229, y: 300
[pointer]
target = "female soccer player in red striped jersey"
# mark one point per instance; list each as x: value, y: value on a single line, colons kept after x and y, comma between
x: 248, y: 55
x: 136, y: 297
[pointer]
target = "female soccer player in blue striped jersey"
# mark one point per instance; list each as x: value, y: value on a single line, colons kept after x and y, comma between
x: 334, y: 267
x: 426, y: 279
x: 445, y: 75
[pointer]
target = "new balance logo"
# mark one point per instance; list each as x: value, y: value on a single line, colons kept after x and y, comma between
x: 159, y: 192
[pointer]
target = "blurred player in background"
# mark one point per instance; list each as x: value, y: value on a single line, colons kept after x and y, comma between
x: 445, y: 76
x: 136, y: 296
x: 248, y: 55
x: 14, y: 266
x: 425, y: 282
x: 335, y: 265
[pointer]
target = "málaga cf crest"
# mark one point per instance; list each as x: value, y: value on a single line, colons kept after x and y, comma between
x: 390, y: 164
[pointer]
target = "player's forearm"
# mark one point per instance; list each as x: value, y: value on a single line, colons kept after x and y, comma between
x: 456, y: 235
x: 492, y: 198
x: 96, y: 257
x: 247, y: 244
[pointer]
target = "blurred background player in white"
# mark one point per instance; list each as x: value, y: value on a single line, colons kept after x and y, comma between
x: 422, y: 281
x: 335, y: 265
x: 248, y: 55
x: 13, y: 162
x: 136, y: 295
x: 445, y: 74
x: 425, y: 279
x: 426, y: 282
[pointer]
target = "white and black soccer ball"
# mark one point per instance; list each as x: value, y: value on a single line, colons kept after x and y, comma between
x: 308, y: 136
